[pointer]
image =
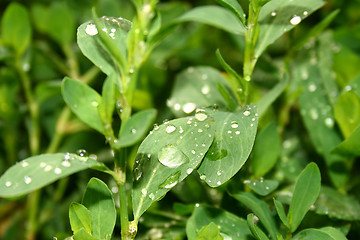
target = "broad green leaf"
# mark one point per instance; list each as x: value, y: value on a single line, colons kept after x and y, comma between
x: 194, y: 88
x: 262, y: 187
x: 38, y: 171
x: 98, y: 199
x: 107, y: 106
x: 209, y: 232
x: 93, y: 48
x: 266, y: 150
x: 168, y: 155
x: 281, y: 212
x: 80, y: 218
x: 347, y: 112
x: 83, y: 101
x: 326, y: 233
x: 215, y: 16
x: 306, y: 192
x: 261, y: 210
x: 136, y: 128
x: 16, y: 27
x: 350, y: 146
x: 255, y: 230
x: 230, y: 225
x: 265, y: 102
x: 234, y: 6
x: 234, y: 138
x: 279, y: 16
x: 337, y: 205
x: 84, y: 235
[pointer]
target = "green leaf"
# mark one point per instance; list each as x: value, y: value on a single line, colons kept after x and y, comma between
x: 266, y: 150
x: 231, y: 105
x: 326, y: 233
x: 168, y: 155
x: 16, y: 27
x: 260, y: 209
x: 306, y: 191
x: 266, y: 101
x: 235, y: 7
x: 214, y: 16
x: 350, y: 146
x: 255, y: 230
x: 262, y: 187
x: 98, y: 199
x: 279, y: 16
x: 94, y: 49
x: 83, y: 101
x: 209, y: 232
x: 347, y: 112
x: 230, y: 225
x: 38, y: 171
x: 80, y: 218
x: 107, y: 106
x: 234, y: 138
x: 84, y: 235
x: 281, y: 212
x: 136, y: 127
x: 196, y: 88
x: 337, y: 205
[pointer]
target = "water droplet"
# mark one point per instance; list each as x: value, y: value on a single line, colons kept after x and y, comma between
x: 305, y: 13
x: 312, y: 87
x: 113, y: 30
x: 144, y: 191
x: 219, y: 172
x: 171, y: 181
x: 170, y: 128
x: 156, y: 127
x: 295, y: 20
x: 112, y: 35
x: 237, y: 132
x: 251, y: 125
x: 229, y: 132
x: 253, y: 119
x: 94, y: 104
x: 24, y: 164
x: 189, y: 170
x: 205, y: 89
x: 204, y: 76
x: 235, y: 124
x: 48, y: 168
x: 218, y: 183
x: 273, y: 13
x: 151, y: 196
x: 247, y: 113
x: 177, y: 106
x: 66, y: 163
x: 67, y: 156
x: 133, y: 131
x: 8, y: 183
x: 57, y: 170
x: 42, y: 164
x: 82, y: 153
x: 189, y: 107
x: 201, y: 116
x: 181, y: 130
x: 314, y: 114
x: 200, y: 130
x: 27, y: 180
x: 114, y: 189
x: 171, y: 156
x: 267, y: 188
x: 329, y: 122
x: 348, y: 88
x: 203, y: 177
x: 91, y: 29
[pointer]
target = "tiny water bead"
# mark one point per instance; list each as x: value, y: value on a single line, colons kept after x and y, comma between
x: 189, y: 107
x: 48, y: 168
x: 305, y: 13
x: 329, y: 122
x: 144, y: 191
x: 205, y: 89
x: 24, y: 164
x: 152, y: 196
x: 348, y: 88
x: 273, y: 13
x: 234, y: 124
x: 170, y: 128
x: 312, y: 87
x: 57, y: 171
x: 94, y: 104
x: 27, y: 180
x: 295, y: 20
x: 8, y: 184
x: 247, y: 113
x: 314, y: 114
x: 204, y: 76
x: 66, y: 163
x: 133, y: 131
x: 237, y: 132
x: 189, y: 170
x: 91, y: 29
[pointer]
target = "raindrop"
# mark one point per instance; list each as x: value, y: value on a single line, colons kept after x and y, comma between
x: 151, y: 196
x: 229, y: 132
x: 201, y: 116
x: 42, y: 164
x: 189, y: 107
x: 114, y: 190
x: 177, y: 106
x: 91, y: 29
x: 253, y: 119
x: 67, y: 156
x: 306, y: 13
x: 312, y: 87
x: 133, y: 131
x: 314, y: 114
x: 205, y: 89
x: 295, y: 20
x: 235, y: 124
x: 170, y: 128
x: 237, y: 132
x: 267, y: 188
x: 247, y: 113
x: 82, y: 153
x: 200, y: 130
x: 27, y: 180
x: 24, y: 164
x: 66, y: 163
x: 204, y: 76
x: 113, y: 30
x: 112, y: 35
x: 181, y: 130
x: 48, y: 168
x: 189, y: 170
x: 57, y: 170
x: 94, y: 104
x: 348, y: 88
x: 329, y: 122
x: 203, y: 177
x: 8, y: 183
x: 273, y: 13
x: 218, y: 183
x: 193, y: 151
x: 219, y: 172
x: 144, y: 191
x: 171, y: 156
x: 156, y: 127
x: 251, y: 125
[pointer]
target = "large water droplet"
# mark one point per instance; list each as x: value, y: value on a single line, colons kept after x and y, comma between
x: 171, y: 156
x: 82, y: 154
x: 170, y: 128
x: 234, y: 125
x: 201, y: 116
x: 189, y: 107
x: 295, y: 20
x: 247, y: 113
x: 91, y: 29
x: 27, y: 180
x: 171, y: 181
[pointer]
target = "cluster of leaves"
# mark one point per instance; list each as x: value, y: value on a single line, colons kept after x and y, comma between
x: 282, y: 167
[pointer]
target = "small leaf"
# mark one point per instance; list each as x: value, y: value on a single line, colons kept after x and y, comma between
x: 98, y: 199
x: 196, y: 88
x: 107, y: 106
x: 306, y: 191
x: 84, y: 235
x: 328, y: 233
x: 230, y: 225
x: 235, y: 7
x: 255, y: 230
x: 266, y: 150
x: 38, y: 171
x: 337, y: 205
x: 260, y: 209
x: 234, y: 138
x: 262, y: 187
x: 350, y: 146
x: 83, y: 101
x: 209, y: 232
x: 80, y: 218
x: 168, y: 155
x: 215, y: 16
x: 136, y: 127
x: 281, y: 212
x: 16, y: 27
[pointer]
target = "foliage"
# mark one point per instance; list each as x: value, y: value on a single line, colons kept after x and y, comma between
x: 203, y: 119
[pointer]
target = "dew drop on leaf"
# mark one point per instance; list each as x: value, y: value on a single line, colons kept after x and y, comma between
x: 82, y: 153
x: 205, y: 89
x: 57, y: 171
x: 171, y: 181
x: 189, y: 107
x: 151, y: 196
x: 144, y: 191
x: 201, y: 116
x: 91, y: 29
x: 94, y: 104
x: 171, y: 156
x: 273, y: 13
x: 234, y: 125
x: 295, y: 20
x: 27, y: 180
x: 170, y: 128
x: 247, y: 113
x: 24, y: 164
x: 133, y: 131
x: 48, y: 168
x: 329, y: 122
x: 8, y: 183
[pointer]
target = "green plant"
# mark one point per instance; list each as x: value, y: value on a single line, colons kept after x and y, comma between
x: 214, y: 133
